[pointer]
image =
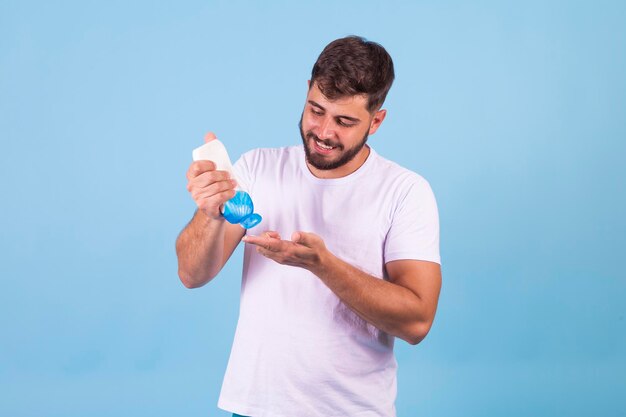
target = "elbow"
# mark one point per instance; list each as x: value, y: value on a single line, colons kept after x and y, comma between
x: 189, y: 281
x: 417, y: 333
x: 414, y: 339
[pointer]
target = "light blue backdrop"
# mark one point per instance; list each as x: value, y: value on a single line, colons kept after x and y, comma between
x: 514, y: 111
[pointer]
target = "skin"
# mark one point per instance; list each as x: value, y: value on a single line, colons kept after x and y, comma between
x: 344, y: 123
x: 205, y: 244
x: 403, y: 306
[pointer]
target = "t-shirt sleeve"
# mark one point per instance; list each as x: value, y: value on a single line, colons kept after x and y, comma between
x: 242, y: 171
x: 414, y: 231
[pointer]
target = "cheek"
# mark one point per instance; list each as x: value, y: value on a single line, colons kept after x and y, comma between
x: 309, y: 123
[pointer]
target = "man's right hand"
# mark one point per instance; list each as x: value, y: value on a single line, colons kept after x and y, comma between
x: 208, y: 187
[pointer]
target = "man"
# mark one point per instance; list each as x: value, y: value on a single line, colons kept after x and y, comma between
x: 345, y: 259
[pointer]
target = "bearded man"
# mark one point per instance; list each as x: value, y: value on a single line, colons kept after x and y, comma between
x: 345, y: 260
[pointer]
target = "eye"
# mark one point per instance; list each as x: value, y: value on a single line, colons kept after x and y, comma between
x: 316, y: 112
x: 340, y: 122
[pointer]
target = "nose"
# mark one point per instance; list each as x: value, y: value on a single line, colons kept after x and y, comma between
x: 326, y: 130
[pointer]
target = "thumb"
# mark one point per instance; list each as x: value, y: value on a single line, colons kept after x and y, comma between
x: 209, y: 137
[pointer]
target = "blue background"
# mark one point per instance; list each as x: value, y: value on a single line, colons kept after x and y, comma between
x: 514, y: 111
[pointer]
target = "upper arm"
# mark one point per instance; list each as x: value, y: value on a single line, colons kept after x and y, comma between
x: 232, y: 236
x: 423, y: 278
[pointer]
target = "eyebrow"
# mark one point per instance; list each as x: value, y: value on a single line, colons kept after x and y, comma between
x: 352, y: 119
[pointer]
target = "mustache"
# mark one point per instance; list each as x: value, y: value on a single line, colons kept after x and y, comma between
x: 311, y: 135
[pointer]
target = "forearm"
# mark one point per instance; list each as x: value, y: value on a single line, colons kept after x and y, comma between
x: 200, y: 250
x: 389, y: 307
x: 404, y: 306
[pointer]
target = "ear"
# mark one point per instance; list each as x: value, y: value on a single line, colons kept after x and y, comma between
x: 379, y: 116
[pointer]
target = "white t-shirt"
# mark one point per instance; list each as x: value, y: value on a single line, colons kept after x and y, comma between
x: 298, y: 350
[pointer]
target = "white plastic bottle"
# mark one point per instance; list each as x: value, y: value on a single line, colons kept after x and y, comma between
x: 239, y: 209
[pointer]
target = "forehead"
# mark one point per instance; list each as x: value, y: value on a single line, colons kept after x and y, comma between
x: 352, y: 104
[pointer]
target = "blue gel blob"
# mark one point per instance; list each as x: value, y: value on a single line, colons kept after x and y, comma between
x: 240, y: 209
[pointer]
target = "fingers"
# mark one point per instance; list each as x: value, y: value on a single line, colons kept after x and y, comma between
x: 271, y: 234
x: 205, y: 178
x: 200, y: 167
x: 200, y: 190
x: 305, y: 250
x: 209, y: 137
x: 209, y: 187
x: 267, y: 242
x: 211, y: 205
x: 271, y: 240
x: 268, y: 254
x: 283, y: 252
x: 274, y: 249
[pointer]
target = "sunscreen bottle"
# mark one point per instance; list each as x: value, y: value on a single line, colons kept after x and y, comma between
x: 239, y: 209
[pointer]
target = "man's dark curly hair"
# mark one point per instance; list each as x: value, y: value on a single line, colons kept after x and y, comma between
x: 354, y: 66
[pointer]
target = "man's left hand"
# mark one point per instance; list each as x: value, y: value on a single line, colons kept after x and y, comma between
x: 304, y: 250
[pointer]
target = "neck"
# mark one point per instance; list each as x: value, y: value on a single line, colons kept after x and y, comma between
x: 344, y: 170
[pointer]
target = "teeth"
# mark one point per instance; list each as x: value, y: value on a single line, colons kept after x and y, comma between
x: 321, y: 145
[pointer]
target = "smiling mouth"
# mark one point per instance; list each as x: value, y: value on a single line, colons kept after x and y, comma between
x: 324, y: 147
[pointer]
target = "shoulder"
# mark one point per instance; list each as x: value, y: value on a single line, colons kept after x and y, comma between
x: 264, y: 156
x: 398, y: 177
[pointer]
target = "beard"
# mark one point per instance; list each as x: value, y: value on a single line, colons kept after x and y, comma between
x: 318, y: 161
